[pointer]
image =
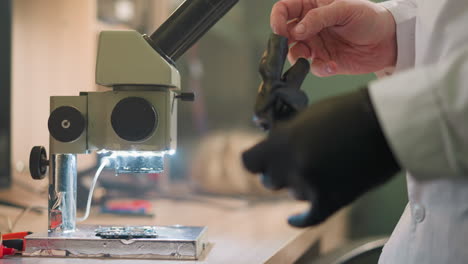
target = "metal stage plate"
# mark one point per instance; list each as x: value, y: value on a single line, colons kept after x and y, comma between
x: 172, y: 242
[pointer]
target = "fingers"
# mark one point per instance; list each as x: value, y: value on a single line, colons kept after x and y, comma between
x: 313, y: 15
x: 317, y: 19
x: 255, y: 158
x: 258, y: 159
x: 321, y: 3
x: 304, y: 219
x: 312, y: 48
x: 299, y: 50
x: 322, y: 63
x: 289, y: 27
x: 285, y: 10
x: 322, y: 68
x: 273, y: 183
x: 316, y: 214
x: 300, y: 220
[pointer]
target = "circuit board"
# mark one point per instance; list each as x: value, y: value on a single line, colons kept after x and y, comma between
x: 126, y: 232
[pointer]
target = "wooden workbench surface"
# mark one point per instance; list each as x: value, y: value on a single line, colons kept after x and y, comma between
x: 238, y: 231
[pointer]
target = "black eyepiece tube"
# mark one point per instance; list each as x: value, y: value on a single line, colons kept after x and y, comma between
x: 189, y: 22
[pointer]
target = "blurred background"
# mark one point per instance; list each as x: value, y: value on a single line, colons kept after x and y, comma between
x: 54, y: 48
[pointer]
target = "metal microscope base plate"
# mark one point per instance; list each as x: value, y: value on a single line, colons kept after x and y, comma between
x: 172, y: 242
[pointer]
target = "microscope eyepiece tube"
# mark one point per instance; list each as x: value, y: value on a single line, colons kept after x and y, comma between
x: 189, y: 22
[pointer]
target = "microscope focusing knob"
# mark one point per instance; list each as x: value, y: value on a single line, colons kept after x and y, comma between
x: 134, y: 119
x: 38, y: 162
x: 188, y: 97
x: 66, y: 124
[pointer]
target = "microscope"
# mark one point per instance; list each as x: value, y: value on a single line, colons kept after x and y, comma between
x: 135, y: 124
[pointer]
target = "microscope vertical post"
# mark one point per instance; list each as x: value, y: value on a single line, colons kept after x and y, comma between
x: 62, y: 192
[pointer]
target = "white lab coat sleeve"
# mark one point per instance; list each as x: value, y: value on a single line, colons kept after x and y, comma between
x: 404, y: 14
x: 424, y: 115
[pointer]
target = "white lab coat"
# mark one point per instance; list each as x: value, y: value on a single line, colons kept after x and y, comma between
x: 423, y: 109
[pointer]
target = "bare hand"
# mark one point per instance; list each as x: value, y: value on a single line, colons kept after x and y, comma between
x: 341, y: 36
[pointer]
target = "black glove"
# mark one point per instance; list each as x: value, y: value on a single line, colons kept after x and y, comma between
x: 279, y: 96
x: 329, y: 154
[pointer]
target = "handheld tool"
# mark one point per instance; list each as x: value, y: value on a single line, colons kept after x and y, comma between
x: 280, y: 96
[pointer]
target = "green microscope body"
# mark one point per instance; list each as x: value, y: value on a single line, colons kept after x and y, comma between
x: 135, y: 122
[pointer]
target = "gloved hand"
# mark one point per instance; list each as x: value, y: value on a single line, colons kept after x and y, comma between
x: 329, y: 154
x: 279, y: 96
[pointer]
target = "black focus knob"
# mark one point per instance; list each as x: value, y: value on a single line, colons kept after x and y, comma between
x: 38, y: 162
x: 134, y: 119
x: 188, y: 97
x: 66, y: 124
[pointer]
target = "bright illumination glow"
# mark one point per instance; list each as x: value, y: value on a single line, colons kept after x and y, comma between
x: 137, y: 154
x: 132, y: 153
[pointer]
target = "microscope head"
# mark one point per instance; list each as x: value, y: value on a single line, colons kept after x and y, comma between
x: 135, y: 122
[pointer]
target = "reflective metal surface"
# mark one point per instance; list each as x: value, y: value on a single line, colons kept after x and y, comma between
x: 173, y: 242
x: 62, y: 193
